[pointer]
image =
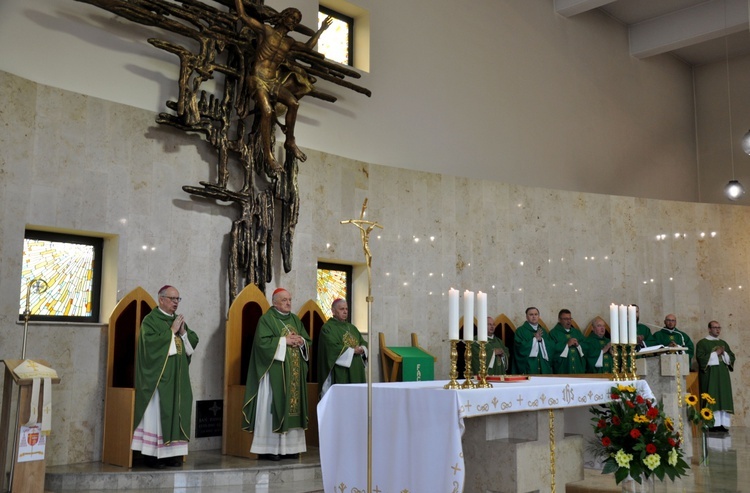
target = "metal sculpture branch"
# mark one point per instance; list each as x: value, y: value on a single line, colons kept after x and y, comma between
x: 265, y: 72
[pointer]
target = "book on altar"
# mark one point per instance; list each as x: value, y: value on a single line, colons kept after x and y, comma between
x: 661, y: 348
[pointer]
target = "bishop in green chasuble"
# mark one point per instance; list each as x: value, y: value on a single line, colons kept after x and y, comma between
x: 342, y: 351
x: 276, y: 388
x: 163, y: 394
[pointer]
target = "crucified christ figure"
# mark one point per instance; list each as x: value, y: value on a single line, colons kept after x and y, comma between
x: 273, y: 80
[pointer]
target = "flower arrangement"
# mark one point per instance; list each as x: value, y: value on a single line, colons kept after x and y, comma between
x: 703, y: 418
x: 634, y: 437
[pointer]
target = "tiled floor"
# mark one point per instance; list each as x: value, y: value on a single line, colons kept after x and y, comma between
x: 728, y: 471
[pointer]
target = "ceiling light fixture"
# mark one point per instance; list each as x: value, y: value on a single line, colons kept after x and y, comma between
x: 734, y: 189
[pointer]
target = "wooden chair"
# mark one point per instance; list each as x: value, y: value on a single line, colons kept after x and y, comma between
x: 242, y: 322
x: 312, y: 318
x: 119, y: 396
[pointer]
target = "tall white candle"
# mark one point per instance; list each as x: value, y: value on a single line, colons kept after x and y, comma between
x: 453, y: 314
x: 614, y: 324
x: 632, y: 325
x: 468, y: 315
x: 481, y: 317
x: 623, y: 324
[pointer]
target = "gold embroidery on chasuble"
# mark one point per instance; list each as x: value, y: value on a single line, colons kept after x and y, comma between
x: 349, y: 340
x: 178, y: 344
x: 295, y: 363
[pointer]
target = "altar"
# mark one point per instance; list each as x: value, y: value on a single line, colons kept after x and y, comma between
x: 428, y: 439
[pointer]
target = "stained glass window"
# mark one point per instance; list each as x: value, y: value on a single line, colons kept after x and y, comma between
x: 334, y: 281
x: 60, y: 277
x: 336, y: 41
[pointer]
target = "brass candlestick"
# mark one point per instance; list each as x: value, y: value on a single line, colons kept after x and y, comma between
x: 633, y: 375
x: 453, y: 384
x: 482, y: 377
x: 615, y: 362
x: 468, y: 384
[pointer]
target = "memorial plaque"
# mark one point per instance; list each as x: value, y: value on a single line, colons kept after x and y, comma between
x: 208, y: 418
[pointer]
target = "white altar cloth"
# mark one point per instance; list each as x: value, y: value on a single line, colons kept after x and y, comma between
x: 417, y: 428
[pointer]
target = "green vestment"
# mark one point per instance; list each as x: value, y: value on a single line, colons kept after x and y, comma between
x: 665, y: 336
x: 592, y: 349
x: 155, y: 369
x: 524, y: 364
x: 288, y: 378
x: 645, y: 332
x: 714, y: 379
x: 572, y: 362
x: 500, y: 367
x: 335, y: 338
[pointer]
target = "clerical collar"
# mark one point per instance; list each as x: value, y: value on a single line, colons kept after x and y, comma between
x: 165, y: 313
x: 712, y: 338
x: 534, y: 326
x: 671, y: 330
x: 280, y: 312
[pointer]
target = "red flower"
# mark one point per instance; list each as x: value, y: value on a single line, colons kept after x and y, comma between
x: 635, y: 433
x: 672, y: 442
x: 606, y: 441
x: 601, y: 424
x: 639, y: 399
x: 651, y: 448
x: 652, y: 413
x: 630, y: 404
x: 615, y: 420
x: 652, y: 427
x: 614, y: 396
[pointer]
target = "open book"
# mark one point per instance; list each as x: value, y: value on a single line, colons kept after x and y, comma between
x: 661, y: 348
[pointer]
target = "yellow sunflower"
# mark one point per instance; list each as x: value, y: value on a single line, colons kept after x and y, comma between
x: 706, y: 414
x: 669, y: 424
x: 640, y: 418
x: 707, y: 397
x: 692, y: 399
x: 626, y: 388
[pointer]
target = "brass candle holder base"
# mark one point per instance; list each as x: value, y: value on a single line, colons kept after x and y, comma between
x: 468, y: 383
x: 632, y: 375
x: 616, y: 362
x: 453, y: 384
x: 623, y: 362
x: 482, y: 377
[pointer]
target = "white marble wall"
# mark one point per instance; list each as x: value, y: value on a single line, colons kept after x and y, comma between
x: 70, y: 161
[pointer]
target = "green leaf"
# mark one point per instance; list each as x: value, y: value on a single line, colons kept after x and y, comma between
x: 610, y: 466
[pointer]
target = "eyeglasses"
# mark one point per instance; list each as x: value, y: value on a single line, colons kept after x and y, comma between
x: 173, y: 298
x: 715, y: 327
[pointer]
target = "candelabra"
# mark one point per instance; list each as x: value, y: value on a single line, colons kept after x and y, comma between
x: 453, y: 384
